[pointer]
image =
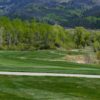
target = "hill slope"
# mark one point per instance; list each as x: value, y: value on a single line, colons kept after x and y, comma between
x: 68, y: 13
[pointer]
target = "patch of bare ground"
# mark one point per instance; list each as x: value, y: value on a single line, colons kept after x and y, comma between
x: 82, y: 59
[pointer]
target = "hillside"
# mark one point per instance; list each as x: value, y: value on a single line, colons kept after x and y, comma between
x: 68, y: 13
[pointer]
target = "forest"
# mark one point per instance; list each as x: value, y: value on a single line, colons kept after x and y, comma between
x: 17, y: 34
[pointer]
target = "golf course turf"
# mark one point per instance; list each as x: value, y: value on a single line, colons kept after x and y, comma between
x: 46, y: 87
x: 43, y: 61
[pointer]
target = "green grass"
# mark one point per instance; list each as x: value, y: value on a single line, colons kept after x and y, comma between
x: 42, y: 61
x: 48, y: 88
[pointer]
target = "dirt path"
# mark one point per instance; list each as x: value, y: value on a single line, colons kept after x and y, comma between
x: 48, y: 74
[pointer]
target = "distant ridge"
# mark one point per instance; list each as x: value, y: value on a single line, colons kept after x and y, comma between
x: 68, y: 13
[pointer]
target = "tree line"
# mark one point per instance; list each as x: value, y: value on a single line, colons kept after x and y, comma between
x: 17, y: 34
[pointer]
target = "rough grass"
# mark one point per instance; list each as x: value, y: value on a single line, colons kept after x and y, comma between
x: 48, y: 88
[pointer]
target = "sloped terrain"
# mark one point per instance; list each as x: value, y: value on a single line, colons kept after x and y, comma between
x: 68, y: 13
x: 43, y: 62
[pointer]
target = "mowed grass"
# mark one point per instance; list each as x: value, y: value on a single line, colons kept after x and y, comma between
x: 43, y: 61
x: 48, y: 88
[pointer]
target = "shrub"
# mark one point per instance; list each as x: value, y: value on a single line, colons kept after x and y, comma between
x: 98, y: 55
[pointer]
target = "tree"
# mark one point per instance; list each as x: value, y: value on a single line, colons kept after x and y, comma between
x: 81, y: 37
x: 1, y: 36
x: 96, y: 41
x: 6, y: 23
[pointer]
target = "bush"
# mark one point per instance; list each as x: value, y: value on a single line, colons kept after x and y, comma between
x: 98, y: 55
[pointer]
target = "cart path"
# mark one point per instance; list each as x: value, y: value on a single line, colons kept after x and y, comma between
x: 48, y: 74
